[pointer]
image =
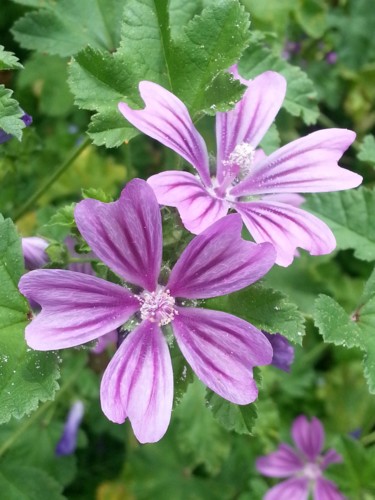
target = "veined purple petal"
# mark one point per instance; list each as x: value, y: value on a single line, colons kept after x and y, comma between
x: 34, y: 252
x: 105, y: 341
x: 326, y: 490
x: 283, y: 462
x: 219, y: 261
x: 222, y: 350
x: 331, y: 457
x: 138, y: 383
x: 76, y: 308
x: 166, y: 119
x: 251, y: 118
x: 198, y: 209
x: 292, y: 489
x: 293, y: 199
x: 283, y: 351
x: 306, y: 165
x: 308, y: 436
x: 68, y: 441
x: 287, y: 228
x: 79, y: 267
x: 126, y: 234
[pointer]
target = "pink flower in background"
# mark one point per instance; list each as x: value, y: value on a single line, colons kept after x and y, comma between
x: 78, y: 308
x: 261, y: 189
x: 68, y: 441
x: 34, y: 252
x: 303, y: 465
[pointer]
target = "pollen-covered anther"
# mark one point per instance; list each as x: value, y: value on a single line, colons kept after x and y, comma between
x: 158, y: 306
x: 243, y: 157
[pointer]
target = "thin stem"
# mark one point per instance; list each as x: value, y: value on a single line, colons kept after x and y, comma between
x: 56, y: 174
x: 36, y: 415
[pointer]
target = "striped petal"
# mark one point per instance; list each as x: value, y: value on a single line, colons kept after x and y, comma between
x: 197, y: 208
x: 283, y: 462
x: 222, y: 350
x: 138, y: 383
x: 76, y: 308
x: 166, y: 119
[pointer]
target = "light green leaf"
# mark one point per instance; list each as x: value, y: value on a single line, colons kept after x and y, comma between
x: 10, y: 114
x: 26, y: 377
x: 64, y: 27
x: 193, y: 64
x: 354, y: 330
x: 8, y: 60
x: 238, y: 418
x: 351, y: 216
x: 367, y: 150
x: 265, y: 308
x: 312, y: 16
x: 199, y: 433
x: 300, y: 97
x: 18, y: 482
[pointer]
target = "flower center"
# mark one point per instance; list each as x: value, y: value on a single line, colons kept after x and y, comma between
x: 240, y: 161
x: 311, y: 471
x: 157, y: 307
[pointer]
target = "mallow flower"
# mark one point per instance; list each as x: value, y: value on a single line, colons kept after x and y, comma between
x: 34, y: 252
x: 68, y: 441
x: 262, y: 189
x: 77, y: 308
x: 303, y: 465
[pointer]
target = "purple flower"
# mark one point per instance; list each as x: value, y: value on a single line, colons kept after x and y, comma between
x: 283, y: 351
x: 260, y: 188
x: 331, y: 57
x: 68, y: 440
x: 34, y: 252
x: 138, y: 382
x: 4, y: 137
x: 304, y: 465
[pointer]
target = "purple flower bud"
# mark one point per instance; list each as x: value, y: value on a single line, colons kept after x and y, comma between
x: 331, y: 57
x: 4, y: 137
x: 34, y: 252
x: 68, y: 440
x: 283, y: 351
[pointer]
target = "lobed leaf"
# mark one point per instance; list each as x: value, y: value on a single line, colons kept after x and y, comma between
x: 367, y: 150
x: 26, y: 377
x: 8, y: 60
x: 351, y: 216
x: 10, y: 114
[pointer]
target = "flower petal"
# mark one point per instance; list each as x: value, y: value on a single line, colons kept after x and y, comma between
x: 34, y: 252
x: 283, y: 462
x: 326, y: 490
x: 306, y: 165
x: 222, y: 350
x: 283, y: 351
x: 68, y: 441
x: 251, y: 118
x: 76, y: 308
x: 219, y: 261
x: 166, y: 119
x: 138, y: 383
x: 290, y: 199
x: 308, y: 436
x: 292, y: 489
x: 126, y: 234
x: 331, y: 457
x: 287, y: 228
x: 197, y: 208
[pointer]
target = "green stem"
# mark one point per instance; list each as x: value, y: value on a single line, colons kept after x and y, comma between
x: 369, y: 439
x: 36, y: 415
x: 56, y: 174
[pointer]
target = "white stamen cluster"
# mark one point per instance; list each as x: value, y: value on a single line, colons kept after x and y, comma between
x: 157, y: 307
x: 243, y: 156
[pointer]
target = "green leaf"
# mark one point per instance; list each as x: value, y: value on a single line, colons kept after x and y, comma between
x: 8, y: 60
x: 64, y: 27
x: 198, y: 432
x: 18, y: 482
x: 300, y: 97
x: 26, y: 377
x: 46, y: 76
x: 354, y: 330
x: 265, y: 308
x: 193, y: 64
x: 351, y: 216
x: 312, y: 16
x: 64, y: 217
x: 367, y: 150
x: 238, y: 418
x: 10, y: 114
